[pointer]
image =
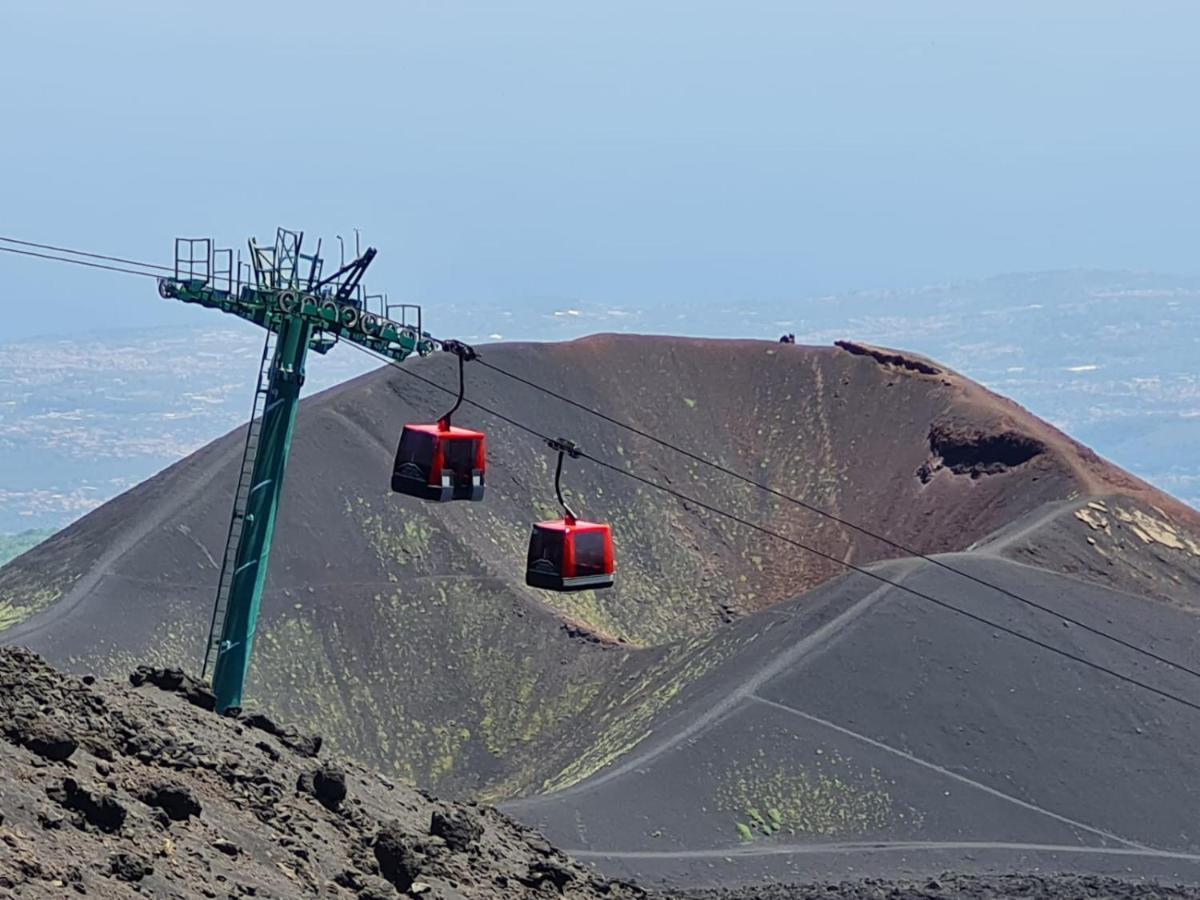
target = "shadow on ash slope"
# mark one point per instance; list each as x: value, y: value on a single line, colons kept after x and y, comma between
x: 698, y: 711
x: 860, y: 730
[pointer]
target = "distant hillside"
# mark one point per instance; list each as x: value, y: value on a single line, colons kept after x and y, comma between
x: 84, y: 418
x: 1106, y: 356
x: 404, y: 631
x: 13, y: 545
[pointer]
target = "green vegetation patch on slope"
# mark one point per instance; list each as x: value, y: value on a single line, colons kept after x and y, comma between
x: 17, y: 606
x: 829, y: 797
x: 622, y: 717
x: 434, y: 684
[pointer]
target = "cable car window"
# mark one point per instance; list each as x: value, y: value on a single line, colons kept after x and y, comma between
x: 589, y: 553
x: 459, y: 455
x: 545, y: 550
x: 415, y: 447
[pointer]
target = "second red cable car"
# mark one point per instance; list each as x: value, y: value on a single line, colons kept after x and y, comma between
x: 568, y: 554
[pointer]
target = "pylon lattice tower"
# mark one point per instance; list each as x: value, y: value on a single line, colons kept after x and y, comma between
x: 282, y: 290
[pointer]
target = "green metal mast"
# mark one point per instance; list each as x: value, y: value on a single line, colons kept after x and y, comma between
x: 281, y: 290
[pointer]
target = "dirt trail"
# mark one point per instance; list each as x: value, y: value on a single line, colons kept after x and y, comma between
x: 698, y: 723
x: 1002, y: 887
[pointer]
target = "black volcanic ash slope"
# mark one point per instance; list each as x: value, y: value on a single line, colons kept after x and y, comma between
x: 861, y: 729
x: 405, y: 630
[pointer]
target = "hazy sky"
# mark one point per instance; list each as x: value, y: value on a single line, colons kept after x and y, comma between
x: 618, y: 152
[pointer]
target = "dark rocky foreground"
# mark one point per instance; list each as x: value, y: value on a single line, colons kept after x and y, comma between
x: 110, y: 791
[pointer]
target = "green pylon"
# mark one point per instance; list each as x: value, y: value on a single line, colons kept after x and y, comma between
x: 262, y: 504
x: 285, y: 293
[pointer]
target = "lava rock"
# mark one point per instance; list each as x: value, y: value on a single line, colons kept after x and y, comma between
x: 327, y: 784
x: 457, y: 829
x: 99, y: 811
x: 125, y: 823
x: 196, y: 692
x: 177, y: 801
x: 889, y: 358
x: 376, y: 889
x: 349, y: 879
x: 290, y: 736
x: 129, y: 867
x: 543, y: 870
x: 399, y: 862
x: 48, y: 740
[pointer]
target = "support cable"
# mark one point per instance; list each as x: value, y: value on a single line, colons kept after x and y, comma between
x: 78, y: 262
x: 1150, y: 654
x: 895, y: 545
x: 132, y: 262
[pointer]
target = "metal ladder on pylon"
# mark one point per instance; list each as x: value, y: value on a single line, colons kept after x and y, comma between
x: 238, y: 519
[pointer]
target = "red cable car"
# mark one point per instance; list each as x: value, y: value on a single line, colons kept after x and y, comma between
x: 568, y: 554
x: 441, y: 462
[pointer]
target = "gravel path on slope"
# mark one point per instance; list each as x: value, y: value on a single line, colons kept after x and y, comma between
x: 1002, y: 887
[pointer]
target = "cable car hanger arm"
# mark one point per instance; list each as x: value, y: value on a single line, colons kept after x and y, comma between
x: 465, y: 353
x: 564, y: 448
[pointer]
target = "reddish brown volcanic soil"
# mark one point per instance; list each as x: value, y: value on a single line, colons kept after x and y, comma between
x: 981, y: 432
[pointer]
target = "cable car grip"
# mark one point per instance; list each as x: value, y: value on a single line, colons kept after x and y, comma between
x: 465, y: 353
x: 564, y: 448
